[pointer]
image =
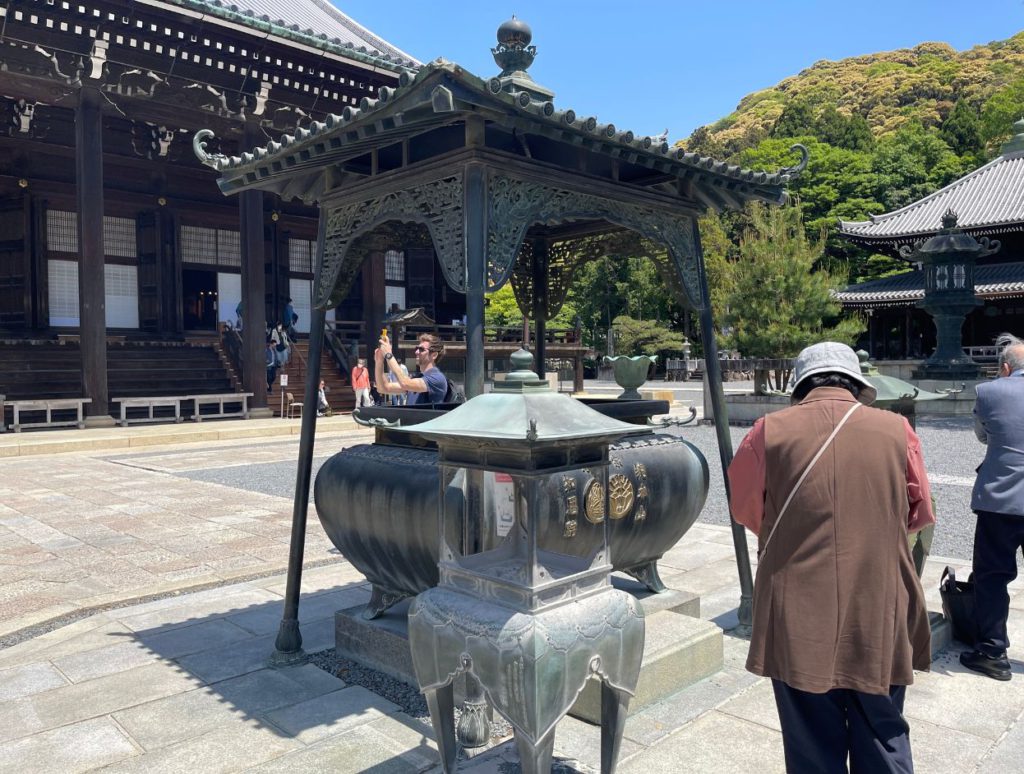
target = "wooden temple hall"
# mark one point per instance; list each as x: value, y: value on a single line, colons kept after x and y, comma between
x: 988, y: 205
x: 123, y: 269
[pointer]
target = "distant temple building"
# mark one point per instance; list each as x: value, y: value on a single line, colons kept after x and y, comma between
x: 988, y: 202
x: 113, y: 236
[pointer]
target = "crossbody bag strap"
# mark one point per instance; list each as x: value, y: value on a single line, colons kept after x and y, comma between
x: 799, y: 481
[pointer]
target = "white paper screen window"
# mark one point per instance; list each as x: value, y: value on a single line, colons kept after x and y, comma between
x: 62, y: 279
x: 122, y: 295
x: 394, y: 266
x: 301, y: 291
x: 62, y: 231
x: 394, y: 294
x: 300, y: 255
x: 198, y: 245
x: 119, y: 237
x: 229, y: 248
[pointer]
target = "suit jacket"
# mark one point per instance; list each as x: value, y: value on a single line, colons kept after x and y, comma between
x: 999, y: 423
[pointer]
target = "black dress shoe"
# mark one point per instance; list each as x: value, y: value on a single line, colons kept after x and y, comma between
x: 996, y: 668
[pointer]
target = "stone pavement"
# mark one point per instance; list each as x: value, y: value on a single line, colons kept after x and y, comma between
x: 181, y: 684
x: 91, y: 528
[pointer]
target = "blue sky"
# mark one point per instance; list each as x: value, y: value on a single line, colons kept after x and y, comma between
x: 646, y: 66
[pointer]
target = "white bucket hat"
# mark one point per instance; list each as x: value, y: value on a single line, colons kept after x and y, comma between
x: 831, y: 357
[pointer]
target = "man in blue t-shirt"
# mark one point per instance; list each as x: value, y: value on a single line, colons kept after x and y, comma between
x: 430, y: 387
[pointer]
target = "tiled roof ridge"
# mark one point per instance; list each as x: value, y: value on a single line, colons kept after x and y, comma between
x: 309, y: 37
x: 359, y: 29
x: 927, y: 199
x: 544, y: 111
x: 909, y: 285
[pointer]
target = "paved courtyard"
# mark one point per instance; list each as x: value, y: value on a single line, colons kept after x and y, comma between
x: 199, y: 532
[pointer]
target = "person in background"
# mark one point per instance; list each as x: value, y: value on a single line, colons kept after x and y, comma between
x: 832, y: 489
x: 429, y: 387
x: 290, y: 318
x: 361, y: 384
x: 322, y: 406
x: 998, y: 500
x: 238, y: 315
x: 282, y: 344
x: 271, y: 358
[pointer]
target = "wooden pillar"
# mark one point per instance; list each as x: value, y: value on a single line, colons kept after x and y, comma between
x: 374, y: 301
x: 476, y: 263
x: 254, y: 324
x: 91, y: 286
x: 577, y: 380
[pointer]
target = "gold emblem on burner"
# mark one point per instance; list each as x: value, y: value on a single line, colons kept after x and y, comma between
x: 620, y: 496
x: 593, y: 503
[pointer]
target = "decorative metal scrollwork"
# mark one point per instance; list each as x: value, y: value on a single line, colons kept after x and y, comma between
x: 514, y: 205
x: 438, y: 205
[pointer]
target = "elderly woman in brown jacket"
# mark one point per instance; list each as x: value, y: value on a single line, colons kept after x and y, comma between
x: 832, y: 489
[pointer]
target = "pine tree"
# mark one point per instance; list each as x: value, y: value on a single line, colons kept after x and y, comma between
x: 962, y: 130
x: 781, y: 300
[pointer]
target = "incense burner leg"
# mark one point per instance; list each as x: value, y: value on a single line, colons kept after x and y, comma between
x: 614, y: 706
x: 441, y: 704
x: 535, y: 758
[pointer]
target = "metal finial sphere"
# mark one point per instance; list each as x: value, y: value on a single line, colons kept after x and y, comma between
x: 515, y: 33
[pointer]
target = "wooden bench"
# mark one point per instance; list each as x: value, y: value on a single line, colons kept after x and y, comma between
x: 49, y: 405
x: 220, y: 399
x: 152, y: 402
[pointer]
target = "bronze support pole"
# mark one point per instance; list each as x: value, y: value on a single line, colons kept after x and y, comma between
x: 288, y: 646
x: 92, y: 320
x: 714, y: 373
x: 476, y: 270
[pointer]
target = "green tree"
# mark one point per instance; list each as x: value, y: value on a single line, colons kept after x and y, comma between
x: 781, y: 301
x: 962, y: 131
x: 501, y: 309
x: 646, y: 337
x: 1000, y: 111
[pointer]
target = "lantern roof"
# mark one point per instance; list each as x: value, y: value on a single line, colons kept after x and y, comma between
x: 521, y: 414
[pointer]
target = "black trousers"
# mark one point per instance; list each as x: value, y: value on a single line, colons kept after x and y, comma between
x: 821, y: 730
x: 997, y: 538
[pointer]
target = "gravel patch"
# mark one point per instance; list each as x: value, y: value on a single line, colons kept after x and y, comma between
x: 396, y: 691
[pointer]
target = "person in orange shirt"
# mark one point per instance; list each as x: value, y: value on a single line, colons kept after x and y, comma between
x: 361, y: 384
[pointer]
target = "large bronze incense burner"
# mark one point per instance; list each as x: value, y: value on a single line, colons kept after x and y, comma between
x: 375, y: 502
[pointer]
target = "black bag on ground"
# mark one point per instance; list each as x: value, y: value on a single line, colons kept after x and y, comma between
x: 958, y: 604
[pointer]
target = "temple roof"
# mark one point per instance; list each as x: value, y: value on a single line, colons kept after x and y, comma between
x: 990, y: 281
x: 442, y: 93
x: 988, y: 200
x: 311, y: 22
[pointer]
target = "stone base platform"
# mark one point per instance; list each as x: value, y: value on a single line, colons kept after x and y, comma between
x: 680, y: 649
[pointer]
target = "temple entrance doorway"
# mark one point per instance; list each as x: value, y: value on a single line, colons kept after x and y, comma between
x: 199, y: 299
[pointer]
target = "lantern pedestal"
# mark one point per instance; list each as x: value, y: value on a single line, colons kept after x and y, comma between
x: 532, y: 665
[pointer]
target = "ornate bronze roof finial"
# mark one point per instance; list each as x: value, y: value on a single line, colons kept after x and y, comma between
x: 514, y: 54
x: 949, y: 219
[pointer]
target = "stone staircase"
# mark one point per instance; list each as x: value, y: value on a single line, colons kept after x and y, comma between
x: 339, y: 393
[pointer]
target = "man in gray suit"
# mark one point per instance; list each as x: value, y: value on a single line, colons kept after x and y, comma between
x: 998, y: 499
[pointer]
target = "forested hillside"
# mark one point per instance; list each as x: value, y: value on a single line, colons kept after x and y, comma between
x: 883, y: 130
